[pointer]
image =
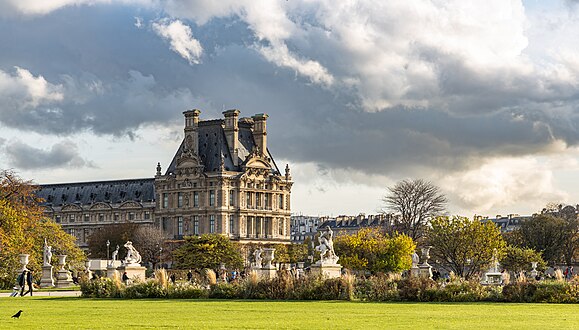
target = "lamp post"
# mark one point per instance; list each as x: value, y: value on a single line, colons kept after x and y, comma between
x: 160, y: 259
x: 108, y: 244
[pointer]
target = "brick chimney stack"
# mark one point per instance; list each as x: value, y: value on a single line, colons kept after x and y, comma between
x: 191, y: 124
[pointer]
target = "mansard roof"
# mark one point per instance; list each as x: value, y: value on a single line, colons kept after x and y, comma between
x: 213, y: 147
x: 84, y: 193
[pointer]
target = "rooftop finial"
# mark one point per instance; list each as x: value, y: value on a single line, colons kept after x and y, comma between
x: 287, y: 172
x: 158, y: 168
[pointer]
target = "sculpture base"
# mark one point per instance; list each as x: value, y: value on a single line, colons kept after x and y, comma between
x: 133, y: 272
x: 327, y: 270
x: 46, y: 281
x: 63, y: 279
x: 425, y: 271
x: 493, y: 279
x: 414, y: 272
x: 112, y: 272
x: 267, y: 273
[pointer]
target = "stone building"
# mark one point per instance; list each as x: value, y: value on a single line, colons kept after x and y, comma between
x: 83, y: 207
x: 222, y: 180
x: 349, y: 225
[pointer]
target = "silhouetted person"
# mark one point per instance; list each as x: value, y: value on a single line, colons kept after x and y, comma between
x: 125, y: 278
x: 29, y: 283
x: 189, y: 276
x: 17, y: 315
x: 173, y: 278
x: 22, y: 281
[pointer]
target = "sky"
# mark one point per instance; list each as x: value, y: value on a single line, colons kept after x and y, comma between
x: 479, y: 97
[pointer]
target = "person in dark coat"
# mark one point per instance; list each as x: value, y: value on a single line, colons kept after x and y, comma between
x: 28, y: 282
x: 126, y: 278
x: 189, y: 276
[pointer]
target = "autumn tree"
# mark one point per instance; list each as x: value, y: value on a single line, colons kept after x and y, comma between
x: 416, y: 202
x: 463, y: 246
x: 518, y: 259
x: 208, y: 251
x: 372, y: 250
x: 23, y: 229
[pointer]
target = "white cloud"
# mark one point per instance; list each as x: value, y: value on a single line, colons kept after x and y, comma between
x: 23, y: 90
x: 181, y: 39
x: 43, y: 7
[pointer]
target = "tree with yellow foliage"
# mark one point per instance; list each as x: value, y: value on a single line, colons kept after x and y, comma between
x: 370, y: 249
x: 23, y: 229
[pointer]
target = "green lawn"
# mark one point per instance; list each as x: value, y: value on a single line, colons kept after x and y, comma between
x: 80, y: 313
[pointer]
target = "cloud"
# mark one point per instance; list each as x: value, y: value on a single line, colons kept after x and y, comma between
x: 181, y: 40
x: 21, y: 90
x: 63, y: 154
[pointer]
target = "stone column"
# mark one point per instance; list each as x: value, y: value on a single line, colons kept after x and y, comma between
x: 425, y: 268
x: 46, y: 281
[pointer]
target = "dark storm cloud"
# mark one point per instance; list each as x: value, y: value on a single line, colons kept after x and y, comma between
x: 64, y: 154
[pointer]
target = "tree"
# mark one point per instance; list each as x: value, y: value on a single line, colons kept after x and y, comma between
x: 23, y: 229
x: 518, y: 259
x: 465, y: 247
x: 116, y: 234
x: 148, y: 240
x: 208, y: 251
x: 416, y: 201
x: 375, y: 251
x: 547, y: 234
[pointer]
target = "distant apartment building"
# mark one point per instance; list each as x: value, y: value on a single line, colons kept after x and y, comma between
x: 506, y: 223
x: 303, y: 226
x: 348, y: 225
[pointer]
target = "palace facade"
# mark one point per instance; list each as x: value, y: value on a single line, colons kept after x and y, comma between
x: 222, y: 179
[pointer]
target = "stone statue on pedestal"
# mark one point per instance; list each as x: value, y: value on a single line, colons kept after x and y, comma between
x: 114, y: 256
x: 47, y: 255
x: 326, y: 247
x: 133, y: 256
x: 257, y: 257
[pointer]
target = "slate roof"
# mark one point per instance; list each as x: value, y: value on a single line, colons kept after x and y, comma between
x: 213, y: 146
x: 115, y: 191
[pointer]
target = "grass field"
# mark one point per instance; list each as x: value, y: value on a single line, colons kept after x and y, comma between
x: 80, y: 313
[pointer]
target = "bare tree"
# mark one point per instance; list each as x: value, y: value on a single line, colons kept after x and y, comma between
x: 416, y: 202
x: 149, y: 241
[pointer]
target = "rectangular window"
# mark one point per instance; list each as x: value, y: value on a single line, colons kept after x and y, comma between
x: 267, y: 201
x: 248, y: 222
x: 280, y: 226
x: 71, y: 218
x: 179, y: 226
x: 147, y: 215
x: 231, y: 218
x: 86, y: 218
x: 211, y: 197
x: 164, y: 223
x: 57, y: 219
x: 85, y: 235
x: 196, y: 199
x: 101, y: 217
x: 280, y: 201
x: 231, y: 199
x: 258, y: 200
x: 196, y: 225
x: 165, y: 200
x: 131, y: 215
x: 211, y: 223
x: 248, y: 199
x: 116, y: 217
x: 179, y: 199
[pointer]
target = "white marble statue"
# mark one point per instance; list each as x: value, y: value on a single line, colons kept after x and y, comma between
x: 47, y: 255
x: 133, y: 256
x: 257, y: 257
x: 115, y: 254
x: 415, y: 259
x: 326, y: 247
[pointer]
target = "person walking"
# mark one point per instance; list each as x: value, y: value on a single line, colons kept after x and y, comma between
x: 27, y: 275
x: 126, y: 278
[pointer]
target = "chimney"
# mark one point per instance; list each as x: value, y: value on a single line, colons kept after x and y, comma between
x: 259, y: 132
x: 191, y: 135
x: 231, y: 133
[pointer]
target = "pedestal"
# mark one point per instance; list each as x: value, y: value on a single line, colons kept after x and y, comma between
x: 63, y: 279
x: 112, y: 272
x: 425, y: 271
x: 133, y: 272
x: 46, y: 281
x: 267, y: 273
x: 414, y: 272
x: 327, y: 270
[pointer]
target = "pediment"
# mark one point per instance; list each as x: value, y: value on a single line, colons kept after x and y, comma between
x: 257, y: 163
x: 130, y: 205
x: 71, y: 207
x: 100, y: 206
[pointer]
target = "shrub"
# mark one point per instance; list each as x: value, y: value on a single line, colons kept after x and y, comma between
x: 148, y: 289
x: 378, y: 288
x: 187, y: 291
x: 101, y: 288
x: 224, y: 291
x: 416, y: 289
